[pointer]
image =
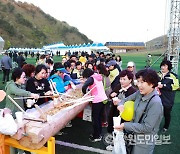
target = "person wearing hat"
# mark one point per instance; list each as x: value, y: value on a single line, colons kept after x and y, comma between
x: 132, y: 68
x: 67, y: 76
x: 114, y: 73
x: 57, y: 76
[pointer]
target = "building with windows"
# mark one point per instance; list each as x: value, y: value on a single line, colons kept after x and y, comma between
x: 117, y: 47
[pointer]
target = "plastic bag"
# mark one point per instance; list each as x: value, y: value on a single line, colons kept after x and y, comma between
x: 119, y: 143
x: 8, y: 125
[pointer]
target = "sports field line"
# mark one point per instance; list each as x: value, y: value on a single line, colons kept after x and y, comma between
x: 82, y: 147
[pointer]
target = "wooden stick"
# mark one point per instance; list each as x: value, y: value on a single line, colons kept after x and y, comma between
x: 87, y: 97
x: 51, y: 87
x: 81, y: 102
x: 89, y: 91
x: 32, y: 97
x: 34, y: 119
x: 20, y: 108
x: 78, y: 101
x: 41, y: 112
x: 67, y: 95
x: 54, y: 86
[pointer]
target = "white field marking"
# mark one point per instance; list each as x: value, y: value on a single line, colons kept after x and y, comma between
x: 82, y: 147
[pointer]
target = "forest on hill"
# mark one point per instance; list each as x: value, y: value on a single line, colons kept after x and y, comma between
x: 25, y: 25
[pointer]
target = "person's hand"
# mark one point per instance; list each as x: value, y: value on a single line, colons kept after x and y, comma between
x: 35, y: 96
x: 113, y: 94
x: 159, y: 92
x: 48, y: 93
x: 120, y: 127
x: 116, y: 100
x: 73, y: 85
x: 120, y: 108
x: 66, y: 87
x: 160, y: 85
x: 82, y: 80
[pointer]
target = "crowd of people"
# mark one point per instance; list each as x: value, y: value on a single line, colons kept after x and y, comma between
x: 153, y: 93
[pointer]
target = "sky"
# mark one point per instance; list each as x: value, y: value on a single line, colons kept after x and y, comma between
x: 111, y: 20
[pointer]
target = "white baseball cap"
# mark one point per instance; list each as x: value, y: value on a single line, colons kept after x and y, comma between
x: 130, y: 64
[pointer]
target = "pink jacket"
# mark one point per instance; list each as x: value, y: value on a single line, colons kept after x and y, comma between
x: 98, y: 92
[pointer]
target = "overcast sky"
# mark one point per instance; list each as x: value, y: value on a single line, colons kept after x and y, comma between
x: 111, y: 20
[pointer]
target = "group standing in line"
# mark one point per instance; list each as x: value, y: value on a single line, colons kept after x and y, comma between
x: 106, y: 79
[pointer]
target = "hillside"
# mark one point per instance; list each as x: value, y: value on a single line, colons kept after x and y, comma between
x: 25, y: 25
x: 156, y: 43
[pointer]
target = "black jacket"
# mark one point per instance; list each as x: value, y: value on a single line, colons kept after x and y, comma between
x: 170, y: 84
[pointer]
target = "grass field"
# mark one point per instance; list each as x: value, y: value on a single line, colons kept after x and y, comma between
x: 139, y: 59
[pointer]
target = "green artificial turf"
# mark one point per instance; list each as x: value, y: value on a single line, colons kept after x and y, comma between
x: 74, y: 135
